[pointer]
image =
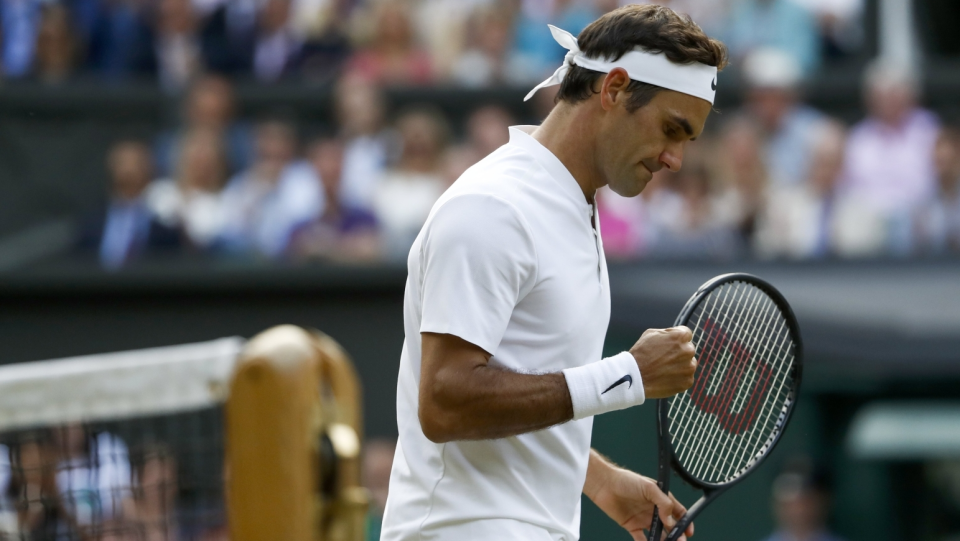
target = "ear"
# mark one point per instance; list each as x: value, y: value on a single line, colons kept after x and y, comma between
x: 613, y: 89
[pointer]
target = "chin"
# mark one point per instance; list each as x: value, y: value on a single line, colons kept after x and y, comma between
x: 629, y: 190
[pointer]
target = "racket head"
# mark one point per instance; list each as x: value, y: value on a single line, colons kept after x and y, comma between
x: 714, y: 342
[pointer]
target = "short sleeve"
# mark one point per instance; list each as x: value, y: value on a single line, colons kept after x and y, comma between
x: 477, y: 261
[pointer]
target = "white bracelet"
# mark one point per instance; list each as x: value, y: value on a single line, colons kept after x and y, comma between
x: 610, y: 384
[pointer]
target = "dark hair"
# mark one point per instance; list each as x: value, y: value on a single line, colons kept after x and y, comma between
x: 656, y: 29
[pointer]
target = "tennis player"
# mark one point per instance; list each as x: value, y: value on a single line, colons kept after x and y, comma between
x: 507, y: 301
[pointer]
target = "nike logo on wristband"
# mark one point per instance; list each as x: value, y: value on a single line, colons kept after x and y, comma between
x: 625, y: 379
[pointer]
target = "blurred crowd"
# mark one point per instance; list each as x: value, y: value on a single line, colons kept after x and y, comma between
x: 258, y: 189
x: 774, y: 178
x: 68, y: 482
x: 474, y: 43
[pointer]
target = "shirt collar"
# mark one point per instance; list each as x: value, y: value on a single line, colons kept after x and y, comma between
x: 520, y: 137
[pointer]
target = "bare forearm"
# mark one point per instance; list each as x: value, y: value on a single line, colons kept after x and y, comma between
x: 598, y: 471
x: 490, y: 402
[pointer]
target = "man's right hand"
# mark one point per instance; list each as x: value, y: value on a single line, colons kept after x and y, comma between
x: 666, y: 361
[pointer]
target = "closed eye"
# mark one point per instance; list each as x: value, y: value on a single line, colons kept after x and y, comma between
x: 678, y: 122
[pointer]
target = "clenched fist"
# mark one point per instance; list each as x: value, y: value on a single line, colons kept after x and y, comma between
x: 666, y: 361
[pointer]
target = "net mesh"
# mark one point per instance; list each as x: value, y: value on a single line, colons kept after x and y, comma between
x: 124, y: 446
x: 743, y: 387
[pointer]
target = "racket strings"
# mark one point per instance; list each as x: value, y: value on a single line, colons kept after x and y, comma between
x: 736, y: 455
x: 733, y: 456
x: 743, y: 385
x: 741, y: 454
x: 721, y: 404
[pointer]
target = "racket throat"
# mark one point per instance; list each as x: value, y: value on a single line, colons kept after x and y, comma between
x: 692, y: 513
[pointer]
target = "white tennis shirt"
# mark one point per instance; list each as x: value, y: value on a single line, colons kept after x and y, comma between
x: 509, y: 261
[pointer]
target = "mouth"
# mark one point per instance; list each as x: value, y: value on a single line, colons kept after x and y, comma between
x: 649, y: 172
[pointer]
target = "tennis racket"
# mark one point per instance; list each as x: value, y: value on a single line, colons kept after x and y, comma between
x: 750, y: 359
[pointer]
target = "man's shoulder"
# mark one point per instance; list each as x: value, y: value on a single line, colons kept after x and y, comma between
x: 485, y: 221
x: 508, y: 173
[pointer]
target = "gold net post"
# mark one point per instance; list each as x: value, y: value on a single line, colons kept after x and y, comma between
x: 294, y: 428
x: 345, y: 515
x: 271, y: 438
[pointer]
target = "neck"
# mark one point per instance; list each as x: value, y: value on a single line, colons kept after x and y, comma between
x: 566, y: 133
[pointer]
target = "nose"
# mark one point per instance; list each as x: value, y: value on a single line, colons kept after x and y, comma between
x: 672, y: 157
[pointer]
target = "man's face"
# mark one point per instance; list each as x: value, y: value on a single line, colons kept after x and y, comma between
x: 634, y: 145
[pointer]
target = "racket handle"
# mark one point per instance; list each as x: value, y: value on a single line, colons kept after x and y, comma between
x: 656, y: 527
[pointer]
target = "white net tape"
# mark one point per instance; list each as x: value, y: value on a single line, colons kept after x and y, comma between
x: 117, y: 446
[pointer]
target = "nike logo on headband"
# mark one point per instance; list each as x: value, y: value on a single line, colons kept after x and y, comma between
x: 713, y: 84
x: 625, y: 379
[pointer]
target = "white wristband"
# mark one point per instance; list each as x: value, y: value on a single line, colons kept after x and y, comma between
x: 610, y: 384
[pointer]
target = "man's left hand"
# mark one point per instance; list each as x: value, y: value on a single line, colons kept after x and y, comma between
x: 629, y: 498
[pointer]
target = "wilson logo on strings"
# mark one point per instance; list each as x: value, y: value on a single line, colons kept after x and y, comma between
x: 727, y: 392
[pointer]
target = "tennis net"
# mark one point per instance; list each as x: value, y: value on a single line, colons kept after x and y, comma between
x: 121, y: 446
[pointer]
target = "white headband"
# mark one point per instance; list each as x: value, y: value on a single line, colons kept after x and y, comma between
x: 698, y: 80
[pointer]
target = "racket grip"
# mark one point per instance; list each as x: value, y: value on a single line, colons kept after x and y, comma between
x: 656, y: 526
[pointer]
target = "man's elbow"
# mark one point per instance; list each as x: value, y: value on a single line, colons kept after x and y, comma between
x: 439, y: 423
x: 435, y: 428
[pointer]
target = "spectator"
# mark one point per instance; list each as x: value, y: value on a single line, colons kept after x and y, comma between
x: 209, y: 106
x: 119, y: 39
x: 21, y: 23
x: 743, y: 176
x: 178, y: 57
x: 795, y: 221
x: 277, y: 49
x: 369, y: 146
x: 532, y: 42
x: 264, y: 204
x: 127, y: 229
x: 840, y: 24
x: 190, y: 201
x: 8, y: 514
x: 343, y: 232
x: 408, y: 191
x: 801, y: 497
x: 573, y: 16
x: 228, y: 34
x: 377, y: 463
x: 93, y: 477
x: 58, y: 47
x: 623, y: 223
x: 938, y: 219
x: 443, y: 26
x: 789, y: 127
x: 393, y: 56
x: 684, y: 217
x: 157, y: 517
x: 889, y: 167
x: 325, y: 24
x: 711, y: 15
x: 40, y: 510
x: 781, y: 24
x: 487, y: 130
x: 489, y: 59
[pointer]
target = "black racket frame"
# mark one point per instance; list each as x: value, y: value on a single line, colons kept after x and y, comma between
x: 667, y: 458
